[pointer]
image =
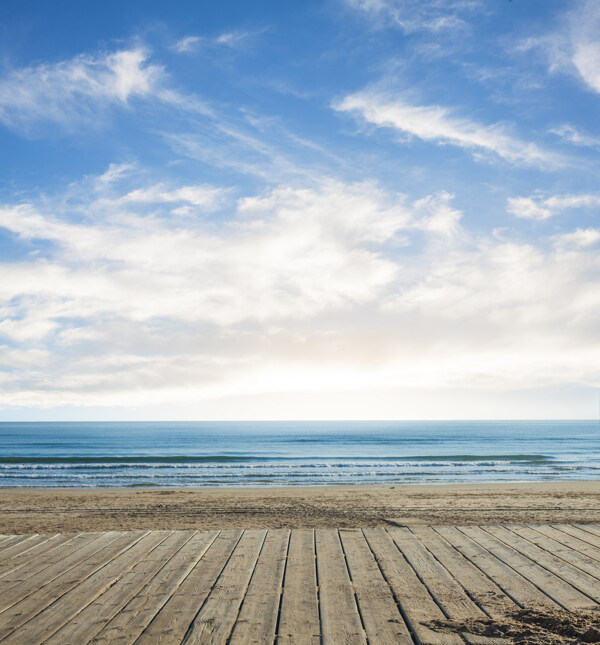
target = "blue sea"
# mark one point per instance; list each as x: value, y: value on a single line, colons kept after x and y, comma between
x: 129, y: 454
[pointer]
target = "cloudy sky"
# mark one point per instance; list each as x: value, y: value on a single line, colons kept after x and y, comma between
x: 337, y: 209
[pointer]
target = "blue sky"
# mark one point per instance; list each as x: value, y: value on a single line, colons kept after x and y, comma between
x: 338, y: 209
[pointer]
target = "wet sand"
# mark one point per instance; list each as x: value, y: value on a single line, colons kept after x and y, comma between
x: 67, y: 510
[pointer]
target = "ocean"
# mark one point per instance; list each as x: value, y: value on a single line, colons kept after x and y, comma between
x: 179, y: 454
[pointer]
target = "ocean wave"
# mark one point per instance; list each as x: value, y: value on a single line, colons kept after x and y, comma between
x: 185, y: 460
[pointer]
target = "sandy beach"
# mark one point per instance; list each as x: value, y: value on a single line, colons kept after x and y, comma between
x: 65, y: 510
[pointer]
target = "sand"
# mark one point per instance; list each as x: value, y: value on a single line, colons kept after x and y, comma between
x: 66, y: 510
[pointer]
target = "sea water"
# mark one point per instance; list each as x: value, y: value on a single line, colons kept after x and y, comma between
x: 128, y: 454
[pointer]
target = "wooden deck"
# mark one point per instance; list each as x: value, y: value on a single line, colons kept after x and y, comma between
x: 301, y: 586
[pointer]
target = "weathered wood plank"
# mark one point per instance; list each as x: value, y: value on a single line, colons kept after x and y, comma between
x: 445, y: 590
x: 561, y: 568
x: 412, y: 596
x: 55, y: 616
x: 135, y: 621
x: 41, y: 598
x: 594, y: 529
x: 215, y: 619
x: 299, y: 620
x: 553, y: 586
x: 581, y: 551
x: 477, y: 584
x: 448, y: 594
x: 512, y: 583
x: 340, y: 619
x: 380, y: 616
x: 257, y: 620
x: 586, y: 538
x: 22, y: 547
x: 29, y: 560
x: 88, y: 622
x: 14, y: 540
x: 593, y: 536
x: 19, y: 584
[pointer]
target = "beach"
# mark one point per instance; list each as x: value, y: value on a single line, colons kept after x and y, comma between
x: 69, y: 510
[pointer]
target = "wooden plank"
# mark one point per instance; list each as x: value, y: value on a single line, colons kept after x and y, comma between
x: 445, y: 590
x: 22, y: 547
x: 35, y: 602
x: 584, y: 552
x: 553, y: 586
x: 590, y: 528
x: 257, y: 620
x: 451, y: 596
x: 571, y: 575
x: 411, y: 595
x: 299, y: 619
x: 55, y: 616
x: 479, y: 586
x: 163, y: 609
x: 381, y: 618
x: 340, y: 620
x: 19, y: 584
x: 584, y: 529
x: 13, y: 540
x: 215, y: 619
x: 28, y: 557
x: 512, y: 583
x: 88, y: 622
x: 586, y: 538
x: 96, y: 615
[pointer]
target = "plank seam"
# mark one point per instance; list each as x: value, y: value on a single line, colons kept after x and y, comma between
x: 504, y: 591
x: 407, y: 622
x: 227, y: 638
x: 558, y: 527
x: 584, y: 527
x: 539, y: 564
x: 129, y: 546
x: 356, y: 602
x: 435, y: 600
x: 180, y: 583
x: 115, y: 581
x: 189, y: 629
x: 557, y: 555
x: 58, y: 575
x: 318, y: 587
x: 279, y: 606
x: 101, y: 627
x: 469, y: 595
x: 517, y: 572
x: 27, y: 550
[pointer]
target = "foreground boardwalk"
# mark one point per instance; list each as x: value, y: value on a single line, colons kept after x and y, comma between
x: 301, y: 586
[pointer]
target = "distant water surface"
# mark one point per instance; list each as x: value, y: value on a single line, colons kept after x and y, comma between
x: 125, y: 454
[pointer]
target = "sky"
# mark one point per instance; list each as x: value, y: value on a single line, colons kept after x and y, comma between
x: 344, y: 209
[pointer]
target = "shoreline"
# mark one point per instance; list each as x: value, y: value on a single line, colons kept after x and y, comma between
x: 50, y: 510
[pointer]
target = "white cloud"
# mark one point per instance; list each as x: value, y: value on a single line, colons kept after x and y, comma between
x: 232, y: 39
x: 585, y: 42
x: 206, y: 196
x: 321, y: 286
x: 574, y: 48
x: 539, y: 208
x: 115, y: 172
x: 418, y: 15
x: 437, y: 124
x: 187, y: 45
x: 75, y: 91
x: 575, y: 136
x: 582, y: 237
